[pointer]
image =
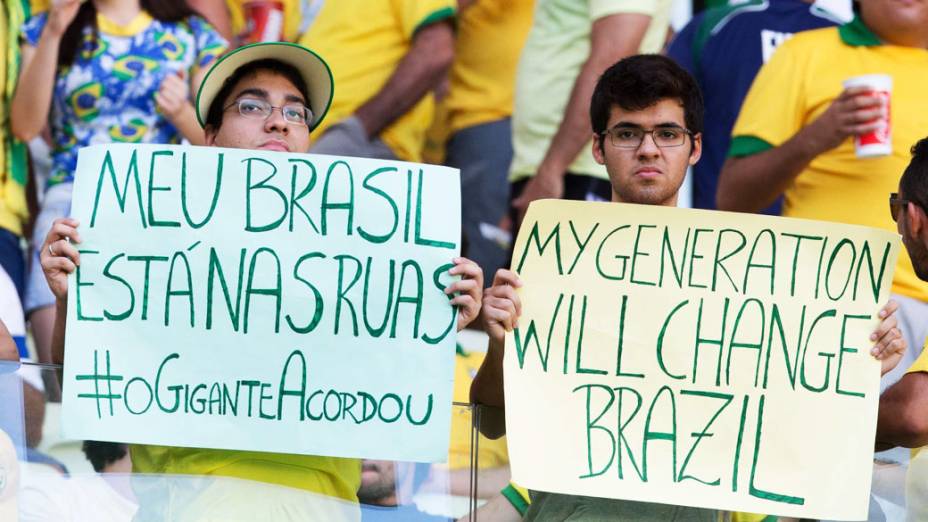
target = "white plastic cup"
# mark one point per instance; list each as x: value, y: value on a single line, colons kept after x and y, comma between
x: 878, y: 142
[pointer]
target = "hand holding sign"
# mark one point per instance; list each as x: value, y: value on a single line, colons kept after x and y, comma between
x: 470, y: 288
x: 674, y: 349
x: 890, y: 344
x: 307, y: 301
x: 58, y: 255
x: 501, y: 304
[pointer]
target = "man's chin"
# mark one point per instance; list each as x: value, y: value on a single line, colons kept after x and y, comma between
x: 646, y: 195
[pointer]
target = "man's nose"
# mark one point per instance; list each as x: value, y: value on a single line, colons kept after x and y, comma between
x: 275, y: 122
x: 648, y: 147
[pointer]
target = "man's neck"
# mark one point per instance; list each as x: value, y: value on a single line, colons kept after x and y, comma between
x: 916, y: 37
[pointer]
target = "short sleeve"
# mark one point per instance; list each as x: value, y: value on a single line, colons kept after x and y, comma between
x: 603, y: 8
x: 32, y: 29
x: 517, y: 496
x: 773, y: 110
x: 416, y: 14
x: 209, y: 43
x: 920, y: 364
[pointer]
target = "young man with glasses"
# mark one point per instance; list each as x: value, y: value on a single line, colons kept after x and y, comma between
x: 646, y: 114
x: 266, y: 96
x: 647, y: 117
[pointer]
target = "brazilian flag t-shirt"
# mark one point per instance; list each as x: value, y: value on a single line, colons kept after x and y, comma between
x: 108, y: 94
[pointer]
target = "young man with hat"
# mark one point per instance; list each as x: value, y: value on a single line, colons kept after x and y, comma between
x: 266, y: 96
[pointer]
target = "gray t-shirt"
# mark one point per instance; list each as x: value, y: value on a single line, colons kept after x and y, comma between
x: 552, y: 506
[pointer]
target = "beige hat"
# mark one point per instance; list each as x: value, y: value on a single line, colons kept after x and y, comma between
x: 312, y: 68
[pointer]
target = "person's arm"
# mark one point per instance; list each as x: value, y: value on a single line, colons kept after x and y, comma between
x: 418, y: 73
x: 752, y: 183
x: 173, y: 100
x: 490, y: 481
x: 497, y: 509
x: 612, y: 38
x: 501, y: 311
x: 8, y: 350
x: 901, y: 420
x: 33, y: 97
x: 59, y: 257
x: 216, y: 13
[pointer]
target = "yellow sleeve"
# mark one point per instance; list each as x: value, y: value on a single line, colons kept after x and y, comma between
x: 602, y: 8
x: 774, y: 109
x: 292, y: 17
x: 416, y: 14
x: 920, y: 364
x: 236, y: 16
x: 751, y: 517
x: 38, y: 6
x: 517, y: 496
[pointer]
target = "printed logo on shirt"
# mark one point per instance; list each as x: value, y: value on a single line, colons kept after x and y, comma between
x: 770, y: 40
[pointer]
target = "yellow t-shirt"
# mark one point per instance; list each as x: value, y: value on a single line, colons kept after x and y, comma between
x: 797, y: 85
x: 13, y: 166
x: 363, y: 42
x: 330, y: 476
x: 491, y: 453
x: 490, y: 37
x: 557, y: 46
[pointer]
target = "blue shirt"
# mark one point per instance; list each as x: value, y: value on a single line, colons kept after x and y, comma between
x: 108, y: 94
x: 723, y: 48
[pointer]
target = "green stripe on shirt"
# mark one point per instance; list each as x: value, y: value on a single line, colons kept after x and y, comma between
x: 747, y: 146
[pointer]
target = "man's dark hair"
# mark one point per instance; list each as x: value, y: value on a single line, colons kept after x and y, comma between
x: 214, y: 115
x: 914, y: 181
x: 638, y: 82
x: 102, y: 453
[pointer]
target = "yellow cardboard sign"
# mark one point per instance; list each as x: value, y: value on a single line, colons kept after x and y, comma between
x: 696, y: 358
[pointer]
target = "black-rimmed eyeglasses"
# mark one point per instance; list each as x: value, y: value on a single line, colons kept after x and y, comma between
x: 628, y: 137
x: 295, y: 113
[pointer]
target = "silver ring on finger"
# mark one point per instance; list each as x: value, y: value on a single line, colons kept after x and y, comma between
x: 50, y: 251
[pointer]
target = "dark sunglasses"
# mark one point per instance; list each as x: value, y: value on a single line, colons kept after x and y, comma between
x: 896, y: 204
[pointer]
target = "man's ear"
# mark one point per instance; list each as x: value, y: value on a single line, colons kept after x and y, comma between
x: 696, y: 149
x: 916, y: 219
x: 598, y: 153
x: 210, y: 133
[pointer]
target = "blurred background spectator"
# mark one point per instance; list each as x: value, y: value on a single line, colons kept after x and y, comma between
x: 478, y: 110
x: 570, y: 44
x: 386, y: 59
x: 97, y: 72
x: 723, y: 48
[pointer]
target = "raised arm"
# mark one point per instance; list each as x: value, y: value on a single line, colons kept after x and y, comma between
x: 423, y: 67
x: 501, y: 311
x: 612, y: 38
x: 752, y: 183
x: 33, y: 97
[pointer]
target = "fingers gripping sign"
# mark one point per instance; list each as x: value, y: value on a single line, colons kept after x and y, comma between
x: 502, y: 305
x: 59, y: 256
x: 468, y: 291
x: 889, y: 344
